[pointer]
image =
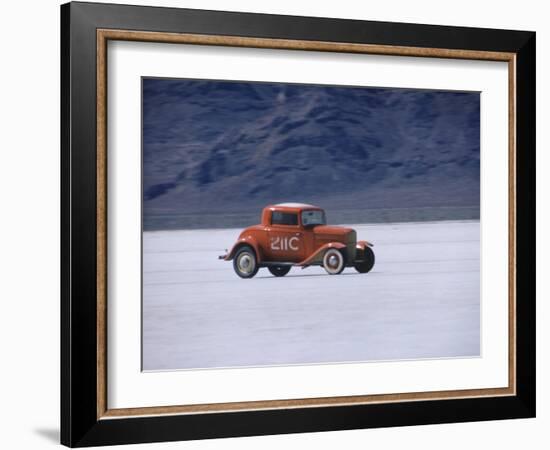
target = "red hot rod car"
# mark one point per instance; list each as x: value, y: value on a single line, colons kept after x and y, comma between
x: 296, y: 234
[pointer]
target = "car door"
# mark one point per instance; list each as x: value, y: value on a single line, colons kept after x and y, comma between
x: 285, y: 238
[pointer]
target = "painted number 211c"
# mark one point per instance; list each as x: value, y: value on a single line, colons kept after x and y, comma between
x: 284, y: 243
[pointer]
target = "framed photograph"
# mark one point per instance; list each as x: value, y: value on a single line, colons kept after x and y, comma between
x: 276, y: 224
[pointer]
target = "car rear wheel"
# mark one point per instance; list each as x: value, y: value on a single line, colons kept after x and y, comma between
x: 333, y: 261
x: 279, y: 271
x: 367, y: 263
x: 245, y: 262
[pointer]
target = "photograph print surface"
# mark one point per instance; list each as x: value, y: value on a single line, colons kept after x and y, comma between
x: 292, y: 224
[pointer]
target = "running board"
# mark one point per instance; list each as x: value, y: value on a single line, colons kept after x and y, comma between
x: 274, y: 263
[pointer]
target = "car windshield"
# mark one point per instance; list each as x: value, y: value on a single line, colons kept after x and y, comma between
x: 313, y: 217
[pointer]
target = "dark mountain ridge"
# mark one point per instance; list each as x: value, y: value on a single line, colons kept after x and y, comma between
x: 220, y: 146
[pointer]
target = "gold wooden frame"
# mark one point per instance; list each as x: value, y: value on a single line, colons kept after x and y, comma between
x: 103, y: 36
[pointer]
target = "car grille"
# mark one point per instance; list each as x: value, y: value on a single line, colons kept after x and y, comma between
x: 351, y: 246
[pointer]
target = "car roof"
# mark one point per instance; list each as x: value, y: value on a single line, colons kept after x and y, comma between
x: 292, y: 206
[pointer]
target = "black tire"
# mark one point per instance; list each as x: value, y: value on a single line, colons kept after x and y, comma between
x: 279, y: 271
x: 367, y: 263
x: 334, y: 261
x: 245, y: 262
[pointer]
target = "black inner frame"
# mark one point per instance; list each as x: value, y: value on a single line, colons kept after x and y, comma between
x: 79, y: 424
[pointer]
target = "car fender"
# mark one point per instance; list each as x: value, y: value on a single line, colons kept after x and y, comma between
x: 361, y: 245
x: 249, y: 240
x: 317, y: 256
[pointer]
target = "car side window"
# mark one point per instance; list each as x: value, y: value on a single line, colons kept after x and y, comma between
x: 283, y: 218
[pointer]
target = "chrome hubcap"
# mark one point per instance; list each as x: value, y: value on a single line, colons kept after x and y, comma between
x: 246, y: 263
x: 333, y: 261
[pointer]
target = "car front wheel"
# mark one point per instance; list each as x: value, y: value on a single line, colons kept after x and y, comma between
x: 367, y: 263
x: 279, y: 271
x: 245, y: 263
x: 333, y: 261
